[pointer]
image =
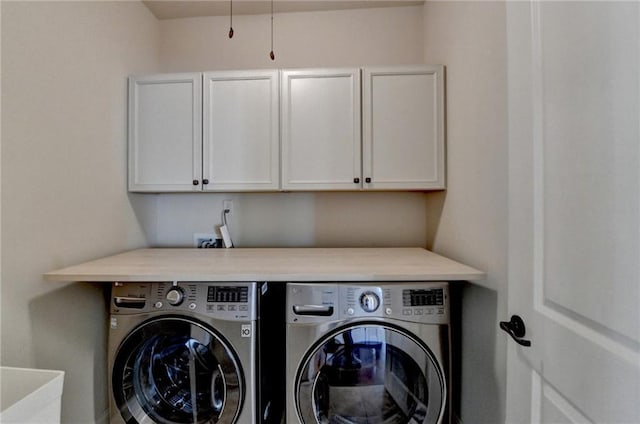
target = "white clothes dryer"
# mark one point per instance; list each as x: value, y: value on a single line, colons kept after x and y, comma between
x: 368, y: 353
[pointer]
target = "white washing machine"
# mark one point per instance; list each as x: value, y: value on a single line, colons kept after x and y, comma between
x: 368, y: 353
x: 188, y: 352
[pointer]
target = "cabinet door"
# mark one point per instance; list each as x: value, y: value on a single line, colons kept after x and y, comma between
x: 165, y: 132
x: 321, y: 129
x: 403, y: 128
x: 241, y: 131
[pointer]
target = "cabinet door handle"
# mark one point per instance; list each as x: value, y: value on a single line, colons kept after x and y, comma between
x: 356, y: 180
x: 367, y: 180
x: 196, y: 182
x: 205, y: 181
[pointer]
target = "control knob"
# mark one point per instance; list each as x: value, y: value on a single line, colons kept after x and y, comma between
x: 369, y: 301
x: 175, y: 296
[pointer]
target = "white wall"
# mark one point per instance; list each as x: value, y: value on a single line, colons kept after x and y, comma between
x: 64, y: 199
x: 309, y: 39
x: 312, y: 39
x: 469, y: 221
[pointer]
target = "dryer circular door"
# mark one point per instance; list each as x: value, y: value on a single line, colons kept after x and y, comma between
x: 370, y: 373
x: 176, y: 370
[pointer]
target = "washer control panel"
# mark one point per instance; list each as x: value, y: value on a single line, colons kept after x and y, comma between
x: 220, y: 300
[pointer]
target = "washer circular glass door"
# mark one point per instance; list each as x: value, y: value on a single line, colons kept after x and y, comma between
x: 177, y: 370
x: 370, y: 373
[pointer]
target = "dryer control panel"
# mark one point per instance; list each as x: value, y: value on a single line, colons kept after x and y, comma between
x: 221, y: 300
x: 416, y: 302
x: 421, y: 302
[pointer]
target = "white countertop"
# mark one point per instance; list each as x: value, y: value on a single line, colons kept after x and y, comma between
x: 270, y: 264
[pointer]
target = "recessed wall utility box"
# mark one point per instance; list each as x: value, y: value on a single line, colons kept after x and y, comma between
x: 206, y: 241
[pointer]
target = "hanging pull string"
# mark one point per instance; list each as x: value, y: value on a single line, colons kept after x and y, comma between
x: 271, y: 55
x: 230, y: 18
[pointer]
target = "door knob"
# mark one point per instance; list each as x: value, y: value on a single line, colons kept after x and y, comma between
x: 516, y: 329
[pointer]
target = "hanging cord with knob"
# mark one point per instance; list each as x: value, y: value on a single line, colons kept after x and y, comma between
x: 271, y: 55
x: 230, y: 18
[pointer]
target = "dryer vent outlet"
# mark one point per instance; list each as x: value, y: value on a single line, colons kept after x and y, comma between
x: 206, y: 241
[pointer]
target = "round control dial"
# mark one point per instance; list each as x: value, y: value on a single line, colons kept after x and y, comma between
x: 369, y: 301
x: 175, y: 296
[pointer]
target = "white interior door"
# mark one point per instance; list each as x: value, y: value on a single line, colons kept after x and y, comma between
x: 574, y: 218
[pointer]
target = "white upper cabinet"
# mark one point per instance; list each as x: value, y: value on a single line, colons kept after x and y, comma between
x: 218, y: 135
x: 241, y: 131
x: 403, y: 128
x: 165, y: 132
x: 379, y: 128
x: 321, y: 129
x: 402, y: 118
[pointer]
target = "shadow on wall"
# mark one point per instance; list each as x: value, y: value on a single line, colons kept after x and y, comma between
x: 480, y: 393
x: 69, y: 328
x: 435, y: 205
x: 145, y: 210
